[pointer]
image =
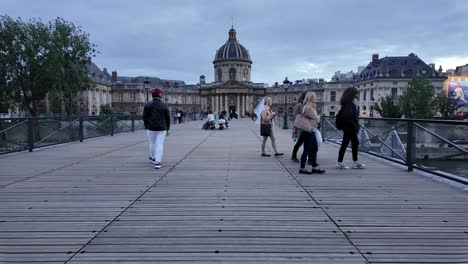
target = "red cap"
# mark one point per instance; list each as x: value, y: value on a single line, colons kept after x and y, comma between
x: 157, y: 92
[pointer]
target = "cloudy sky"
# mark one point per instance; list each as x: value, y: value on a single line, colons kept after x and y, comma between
x: 300, y: 39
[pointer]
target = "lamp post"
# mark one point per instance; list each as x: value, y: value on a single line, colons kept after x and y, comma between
x: 286, y: 87
x: 147, y: 86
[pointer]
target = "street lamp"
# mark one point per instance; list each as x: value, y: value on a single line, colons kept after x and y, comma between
x: 286, y: 87
x: 147, y: 86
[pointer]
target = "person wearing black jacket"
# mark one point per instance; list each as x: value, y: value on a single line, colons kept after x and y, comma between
x: 350, y: 123
x: 157, y: 122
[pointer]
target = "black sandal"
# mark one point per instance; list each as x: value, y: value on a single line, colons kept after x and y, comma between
x: 304, y: 171
x: 265, y: 155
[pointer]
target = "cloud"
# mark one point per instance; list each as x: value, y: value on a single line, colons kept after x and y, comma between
x: 299, y: 39
x: 450, y: 62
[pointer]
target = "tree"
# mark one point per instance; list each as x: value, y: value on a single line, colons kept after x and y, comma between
x: 106, y: 109
x: 37, y: 59
x: 417, y: 99
x: 388, y: 107
x: 444, y: 104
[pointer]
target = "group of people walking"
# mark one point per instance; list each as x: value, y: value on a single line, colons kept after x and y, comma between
x: 156, y: 119
x: 309, y: 135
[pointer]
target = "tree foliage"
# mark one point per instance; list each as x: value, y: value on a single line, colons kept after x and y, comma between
x: 39, y: 58
x: 444, y: 104
x: 388, y: 107
x: 417, y: 100
x: 106, y: 110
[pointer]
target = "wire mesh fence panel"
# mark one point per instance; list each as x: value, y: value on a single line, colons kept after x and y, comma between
x: 97, y: 126
x: 442, y: 147
x: 54, y: 130
x: 13, y: 135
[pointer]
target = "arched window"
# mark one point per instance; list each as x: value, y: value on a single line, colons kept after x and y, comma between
x: 232, y: 74
x: 220, y: 75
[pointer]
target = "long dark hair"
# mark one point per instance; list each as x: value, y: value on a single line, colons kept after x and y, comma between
x: 301, y: 98
x: 348, y: 95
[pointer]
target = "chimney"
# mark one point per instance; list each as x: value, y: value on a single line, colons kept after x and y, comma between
x: 114, y: 77
x: 375, y: 58
x: 202, y: 79
x: 321, y: 80
x: 402, y: 70
x: 104, y: 70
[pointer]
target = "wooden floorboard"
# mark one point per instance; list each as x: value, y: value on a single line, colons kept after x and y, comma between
x: 216, y: 200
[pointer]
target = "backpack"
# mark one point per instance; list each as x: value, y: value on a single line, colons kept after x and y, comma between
x: 339, y: 120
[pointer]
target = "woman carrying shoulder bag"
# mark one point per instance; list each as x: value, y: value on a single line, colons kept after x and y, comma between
x: 310, y: 142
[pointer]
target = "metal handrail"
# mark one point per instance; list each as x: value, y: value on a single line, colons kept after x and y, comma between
x: 27, y: 134
x: 410, y: 146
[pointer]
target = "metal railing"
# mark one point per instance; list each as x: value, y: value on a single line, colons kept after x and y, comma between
x: 436, y: 146
x: 18, y: 134
x: 279, y: 121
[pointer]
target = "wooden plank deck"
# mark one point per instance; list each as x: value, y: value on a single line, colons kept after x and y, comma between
x: 217, y: 201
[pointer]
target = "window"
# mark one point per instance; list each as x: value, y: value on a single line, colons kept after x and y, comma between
x: 372, y: 95
x: 332, y: 96
x: 194, y: 100
x: 394, y: 92
x: 332, y: 113
x: 232, y: 74
x: 395, y: 83
x: 184, y: 99
x: 220, y: 75
x: 364, y: 96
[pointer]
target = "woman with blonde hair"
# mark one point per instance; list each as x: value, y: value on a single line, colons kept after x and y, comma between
x: 309, y: 112
x: 267, y: 124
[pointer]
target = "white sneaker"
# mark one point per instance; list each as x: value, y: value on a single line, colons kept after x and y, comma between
x: 341, y: 166
x: 157, y: 165
x: 358, y: 165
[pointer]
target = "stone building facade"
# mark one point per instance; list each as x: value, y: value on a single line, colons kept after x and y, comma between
x: 232, y: 90
x: 389, y: 76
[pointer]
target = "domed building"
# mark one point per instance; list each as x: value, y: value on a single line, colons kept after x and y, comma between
x: 232, y: 90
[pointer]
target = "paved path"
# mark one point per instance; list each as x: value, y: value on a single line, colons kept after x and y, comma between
x: 217, y: 201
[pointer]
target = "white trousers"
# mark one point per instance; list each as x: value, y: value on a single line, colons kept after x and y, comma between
x: 156, y: 143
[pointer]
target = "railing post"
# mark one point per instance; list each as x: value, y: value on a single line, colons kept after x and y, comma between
x: 81, y: 129
x: 133, y: 123
x: 112, y: 125
x: 30, y: 134
x: 410, y: 146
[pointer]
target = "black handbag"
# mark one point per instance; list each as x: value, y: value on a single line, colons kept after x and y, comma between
x: 265, y: 130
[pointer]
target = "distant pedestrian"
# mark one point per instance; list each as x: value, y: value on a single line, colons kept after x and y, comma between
x: 157, y: 123
x: 179, y: 116
x: 296, y: 131
x: 267, y: 125
x: 348, y: 120
x: 310, y: 141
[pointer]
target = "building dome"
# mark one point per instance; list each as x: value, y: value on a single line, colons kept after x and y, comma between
x: 232, y: 50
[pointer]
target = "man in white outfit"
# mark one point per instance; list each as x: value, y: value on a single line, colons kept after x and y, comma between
x: 157, y: 122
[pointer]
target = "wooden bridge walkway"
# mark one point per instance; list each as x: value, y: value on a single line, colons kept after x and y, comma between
x: 217, y: 201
